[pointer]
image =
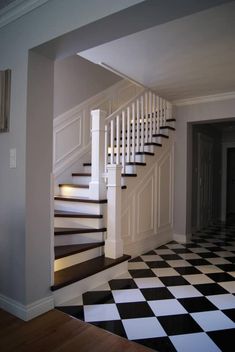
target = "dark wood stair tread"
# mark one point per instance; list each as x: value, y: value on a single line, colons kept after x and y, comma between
x: 170, y: 120
x: 83, y: 270
x: 85, y: 174
x: 72, y: 214
x: 139, y: 163
x: 167, y: 127
x: 86, y: 164
x: 80, y: 199
x: 160, y: 135
x: 65, y: 251
x: 129, y: 175
x: 59, y: 231
x: 144, y: 153
x: 73, y: 185
x: 153, y: 143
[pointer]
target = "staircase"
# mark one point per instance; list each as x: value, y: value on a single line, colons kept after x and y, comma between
x: 84, y: 215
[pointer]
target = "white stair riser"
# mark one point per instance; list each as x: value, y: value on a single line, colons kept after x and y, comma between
x: 87, y: 208
x: 87, y: 169
x: 76, y: 222
x: 63, y: 240
x: 139, y: 158
x: 74, y: 191
x: 78, y: 288
x: 77, y: 258
x: 81, y: 180
x: 147, y: 148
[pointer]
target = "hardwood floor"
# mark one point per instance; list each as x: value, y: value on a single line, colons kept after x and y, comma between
x: 58, y: 332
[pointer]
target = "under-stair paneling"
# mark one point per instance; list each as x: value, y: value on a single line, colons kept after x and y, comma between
x: 147, y: 202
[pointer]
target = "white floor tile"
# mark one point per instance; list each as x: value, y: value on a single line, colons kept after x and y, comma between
x: 166, y: 307
x: 164, y: 251
x: 199, y: 250
x: 229, y: 248
x: 148, y: 282
x: 130, y: 295
x: 190, y: 256
x: 194, y: 343
x: 218, y: 260
x: 224, y: 301
x: 198, y: 279
x: 178, y: 263
x: 143, y: 328
x: 228, y: 285
x: 232, y: 273
x: 184, y: 291
x: 165, y: 272
x: 137, y: 265
x: 101, y: 312
x: 213, y: 320
x: 174, y: 245
x: 209, y: 269
x: 151, y: 258
x: 225, y: 254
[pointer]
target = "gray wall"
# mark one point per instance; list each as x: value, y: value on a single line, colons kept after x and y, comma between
x: 211, y: 111
x: 76, y: 79
x: 24, y: 211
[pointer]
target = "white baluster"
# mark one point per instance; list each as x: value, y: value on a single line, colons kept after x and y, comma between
x: 164, y: 112
x: 142, y: 123
x: 146, y: 117
x: 105, y: 148
x: 154, y: 113
x: 123, y: 141
x: 160, y: 112
x: 117, y: 140
x: 150, y: 127
x: 128, y: 134
x: 138, y: 124
x: 112, y: 142
x: 133, y: 132
x: 158, y: 115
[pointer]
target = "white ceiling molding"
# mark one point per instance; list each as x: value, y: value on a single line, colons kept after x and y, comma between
x: 204, y: 99
x: 18, y: 8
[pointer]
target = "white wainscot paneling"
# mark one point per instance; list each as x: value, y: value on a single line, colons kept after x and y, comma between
x: 164, y: 192
x: 145, y: 207
x: 126, y: 224
x: 68, y: 138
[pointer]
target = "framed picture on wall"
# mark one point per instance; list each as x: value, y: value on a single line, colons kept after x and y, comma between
x: 5, y: 94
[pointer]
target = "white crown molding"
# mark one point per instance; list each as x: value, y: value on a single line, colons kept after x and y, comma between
x: 18, y: 8
x: 204, y: 99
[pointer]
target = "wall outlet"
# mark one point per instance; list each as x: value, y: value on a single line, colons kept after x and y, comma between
x: 12, y: 158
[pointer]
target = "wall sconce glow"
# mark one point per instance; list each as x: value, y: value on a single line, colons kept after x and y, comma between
x: 5, y: 94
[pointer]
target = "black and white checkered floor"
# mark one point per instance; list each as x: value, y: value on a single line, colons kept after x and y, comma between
x: 174, y: 298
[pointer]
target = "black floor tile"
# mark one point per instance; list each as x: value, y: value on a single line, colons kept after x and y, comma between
x: 160, y: 344
x: 149, y: 253
x: 224, y: 339
x: 142, y: 273
x: 74, y: 311
x: 197, y: 304
x: 226, y: 267
x: 170, y: 256
x: 119, y: 284
x: 221, y: 277
x: 114, y: 326
x: 173, y: 280
x: 210, y: 289
x: 157, y: 264
x: 136, y: 259
x: 182, y: 250
x: 208, y: 255
x: 230, y: 313
x: 187, y: 270
x: 134, y: 310
x: 231, y: 259
x: 97, y: 297
x: 179, y: 324
x: 197, y: 262
x: 158, y: 293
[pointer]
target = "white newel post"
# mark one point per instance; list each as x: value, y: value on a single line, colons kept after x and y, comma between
x: 114, y: 243
x: 97, y: 185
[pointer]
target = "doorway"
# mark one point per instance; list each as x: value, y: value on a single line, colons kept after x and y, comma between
x: 230, y: 183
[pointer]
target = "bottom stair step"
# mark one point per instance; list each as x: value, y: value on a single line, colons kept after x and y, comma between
x: 83, y: 270
x: 65, y: 251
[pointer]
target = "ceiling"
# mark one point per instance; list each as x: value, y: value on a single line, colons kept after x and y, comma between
x: 4, y: 3
x: 187, y: 57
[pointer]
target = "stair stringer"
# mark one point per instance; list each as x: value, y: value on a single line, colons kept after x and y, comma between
x: 147, y: 203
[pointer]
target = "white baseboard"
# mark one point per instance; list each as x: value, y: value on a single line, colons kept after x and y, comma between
x: 180, y: 238
x: 26, y: 312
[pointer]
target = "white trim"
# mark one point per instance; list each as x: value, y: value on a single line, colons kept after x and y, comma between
x: 204, y: 99
x: 26, y: 312
x: 17, y: 9
x: 180, y: 238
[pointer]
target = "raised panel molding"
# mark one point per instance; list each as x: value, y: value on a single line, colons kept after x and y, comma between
x: 145, y: 208
x: 164, y: 191
x: 126, y: 223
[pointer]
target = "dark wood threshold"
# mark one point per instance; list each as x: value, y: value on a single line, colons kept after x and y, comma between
x: 153, y: 143
x: 170, y: 120
x: 72, y: 214
x: 167, y: 127
x: 85, y: 174
x: 80, y: 200
x: 83, y: 270
x: 59, y: 231
x: 65, y: 251
x: 72, y: 185
x: 160, y: 135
